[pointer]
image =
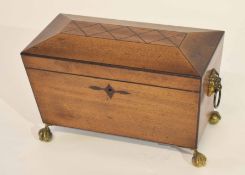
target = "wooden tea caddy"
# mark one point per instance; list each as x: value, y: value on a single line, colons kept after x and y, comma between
x: 146, y: 81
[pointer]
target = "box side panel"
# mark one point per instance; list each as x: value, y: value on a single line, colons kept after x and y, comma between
x: 139, y: 111
x: 206, y: 103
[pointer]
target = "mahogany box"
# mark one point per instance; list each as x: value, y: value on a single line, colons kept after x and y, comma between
x: 147, y: 81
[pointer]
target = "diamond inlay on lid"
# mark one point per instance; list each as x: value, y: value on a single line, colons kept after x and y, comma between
x: 143, y: 46
x: 125, y: 33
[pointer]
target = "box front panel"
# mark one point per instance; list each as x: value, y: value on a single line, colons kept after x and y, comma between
x: 156, y: 114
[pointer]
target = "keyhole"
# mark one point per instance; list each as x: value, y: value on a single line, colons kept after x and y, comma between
x: 109, y: 89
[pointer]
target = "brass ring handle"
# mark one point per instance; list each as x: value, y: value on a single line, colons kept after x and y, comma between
x: 215, y: 87
x: 216, y: 103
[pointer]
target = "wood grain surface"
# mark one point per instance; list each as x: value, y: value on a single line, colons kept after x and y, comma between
x: 206, y: 102
x: 157, y: 76
x: 114, y: 73
x: 164, y: 48
x: 113, y: 52
x: 150, y: 113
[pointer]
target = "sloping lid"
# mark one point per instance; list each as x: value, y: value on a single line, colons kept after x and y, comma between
x: 142, y: 46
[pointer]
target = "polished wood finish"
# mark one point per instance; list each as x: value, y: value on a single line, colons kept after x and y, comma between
x: 147, y: 112
x: 100, y: 50
x: 120, y: 74
x: 199, y: 48
x: 163, y: 48
x: 206, y: 102
x: 157, y: 73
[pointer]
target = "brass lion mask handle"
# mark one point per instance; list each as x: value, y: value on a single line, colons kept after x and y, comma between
x: 214, y: 87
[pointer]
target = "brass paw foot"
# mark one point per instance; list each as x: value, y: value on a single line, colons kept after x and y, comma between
x: 214, y: 118
x: 198, y: 159
x: 45, y: 134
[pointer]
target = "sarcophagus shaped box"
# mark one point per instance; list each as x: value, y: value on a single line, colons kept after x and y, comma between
x: 146, y: 81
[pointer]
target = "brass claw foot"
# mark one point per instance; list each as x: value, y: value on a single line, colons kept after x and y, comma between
x: 45, y: 134
x: 214, y: 118
x: 198, y: 159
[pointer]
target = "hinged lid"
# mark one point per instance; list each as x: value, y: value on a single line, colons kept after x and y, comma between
x: 142, y: 46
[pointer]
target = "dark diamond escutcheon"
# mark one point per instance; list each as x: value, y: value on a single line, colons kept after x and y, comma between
x: 109, y: 90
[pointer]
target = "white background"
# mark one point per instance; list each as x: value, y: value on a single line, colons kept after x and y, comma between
x: 78, y: 152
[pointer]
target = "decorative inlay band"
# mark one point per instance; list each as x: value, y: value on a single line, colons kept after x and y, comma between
x: 125, y: 33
